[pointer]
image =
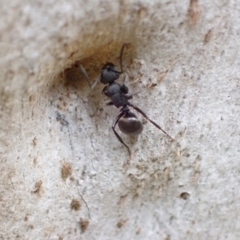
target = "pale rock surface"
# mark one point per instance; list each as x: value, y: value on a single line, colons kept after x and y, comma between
x: 64, y: 175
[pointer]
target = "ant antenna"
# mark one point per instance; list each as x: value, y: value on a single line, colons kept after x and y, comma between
x: 84, y: 73
x: 92, y: 86
x: 121, y: 55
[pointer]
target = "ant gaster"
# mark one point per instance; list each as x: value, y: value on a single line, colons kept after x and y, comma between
x: 126, y: 120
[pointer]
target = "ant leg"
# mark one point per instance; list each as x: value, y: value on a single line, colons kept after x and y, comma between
x: 92, y: 86
x: 116, y: 134
x: 155, y: 124
x: 131, y: 95
x: 124, y: 89
x: 125, y: 78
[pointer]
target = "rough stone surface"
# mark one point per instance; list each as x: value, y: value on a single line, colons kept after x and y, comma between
x: 64, y: 175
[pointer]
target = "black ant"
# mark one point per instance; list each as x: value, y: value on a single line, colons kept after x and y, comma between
x: 126, y: 120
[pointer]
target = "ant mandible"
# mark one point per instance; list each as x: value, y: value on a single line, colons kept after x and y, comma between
x: 126, y: 120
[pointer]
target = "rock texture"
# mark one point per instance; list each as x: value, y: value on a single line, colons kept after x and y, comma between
x: 64, y: 175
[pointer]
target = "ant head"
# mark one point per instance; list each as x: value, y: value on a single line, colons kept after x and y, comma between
x: 109, y: 73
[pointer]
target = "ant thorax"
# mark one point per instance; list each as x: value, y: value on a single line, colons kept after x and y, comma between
x: 117, y: 94
x: 113, y: 88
